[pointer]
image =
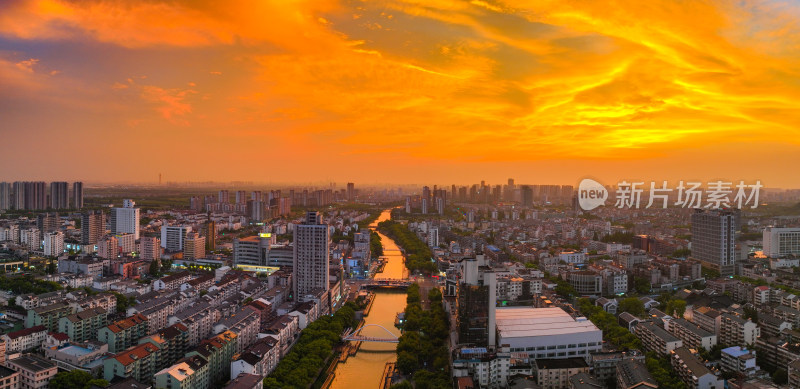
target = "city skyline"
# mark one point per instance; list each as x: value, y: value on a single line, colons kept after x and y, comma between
x: 400, y: 91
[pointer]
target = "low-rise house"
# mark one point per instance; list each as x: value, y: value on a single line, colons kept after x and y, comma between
x: 124, y: 333
x: 87, y: 356
x: 555, y: 373
x: 48, y: 315
x: 25, y: 339
x: 188, y: 373
x: 632, y: 374
x: 739, y: 360
x: 260, y: 358
x: 693, y: 373
x: 83, y: 325
x: 35, y: 372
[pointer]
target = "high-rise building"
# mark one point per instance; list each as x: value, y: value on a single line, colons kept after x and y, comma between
x: 18, y: 201
x: 224, y: 197
x: 194, y: 247
x: 255, y: 210
x: 125, y: 220
x: 174, y: 237
x: 47, y: 222
x: 351, y: 192
x: 53, y: 244
x: 311, y: 256
x: 59, y: 195
x: 77, y: 195
x: 527, y: 196
x: 779, y: 242
x: 93, y: 227
x: 149, y: 248
x: 5, y: 196
x: 714, y: 239
x: 30, y: 195
x: 241, y: 197
x: 31, y: 238
x: 211, y: 234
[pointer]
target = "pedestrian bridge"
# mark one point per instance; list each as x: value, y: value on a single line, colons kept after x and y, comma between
x: 350, y: 334
x: 397, y: 283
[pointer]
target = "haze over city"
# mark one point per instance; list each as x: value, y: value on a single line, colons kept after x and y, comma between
x: 399, y: 91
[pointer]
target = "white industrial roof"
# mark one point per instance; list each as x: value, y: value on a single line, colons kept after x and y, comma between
x: 526, y: 321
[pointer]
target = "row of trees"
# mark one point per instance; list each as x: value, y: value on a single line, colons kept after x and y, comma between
x: 375, y: 246
x: 418, y: 254
x: 302, y: 365
x: 422, y: 352
x: 612, y: 331
x: 27, y: 284
x: 75, y: 379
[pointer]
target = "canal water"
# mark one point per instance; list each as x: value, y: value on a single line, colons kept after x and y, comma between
x: 364, y: 370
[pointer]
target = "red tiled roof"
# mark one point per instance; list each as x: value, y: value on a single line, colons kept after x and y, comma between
x: 26, y: 332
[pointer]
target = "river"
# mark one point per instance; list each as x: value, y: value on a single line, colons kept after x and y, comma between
x: 364, y: 370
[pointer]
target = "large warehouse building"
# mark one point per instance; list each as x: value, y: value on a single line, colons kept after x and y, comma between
x: 547, y: 332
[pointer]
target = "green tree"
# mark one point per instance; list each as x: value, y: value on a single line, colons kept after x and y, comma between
x: 75, y: 379
x: 632, y: 305
x: 676, y: 308
x: 154, y: 268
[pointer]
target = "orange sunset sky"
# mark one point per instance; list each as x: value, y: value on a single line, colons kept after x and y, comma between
x: 415, y: 91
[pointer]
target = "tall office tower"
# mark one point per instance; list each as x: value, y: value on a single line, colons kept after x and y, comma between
x: 53, y: 244
x: 351, y: 192
x: 453, y: 194
x: 426, y: 194
x: 781, y: 242
x: 475, y: 305
x: 173, y: 238
x: 257, y: 195
x: 18, y: 201
x: 149, y: 248
x: 47, y: 222
x: 714, y: 239
x: 77, y: 195
x: 59, y: 195
x: 93, y: 227
x: 424, y: 206
x: 408, y: 204
x: 5, y: 196
x: 440, y: 205
x: 211, y: 234
x: 311, y: 256
x: 241, y: 197
x: 125, y: 220
x: 224, y: 197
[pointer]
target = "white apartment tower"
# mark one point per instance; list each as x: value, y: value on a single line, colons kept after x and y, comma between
x: 173, y: 238
x: 311, y: 256
x: 779, y: 242
x: 125, y: 219
x: 53, y: 244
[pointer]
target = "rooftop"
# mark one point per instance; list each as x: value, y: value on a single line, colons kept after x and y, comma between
x: 526, y: 321
x: 32, y: 363
x: 565, y: 363
x: 244, y: 381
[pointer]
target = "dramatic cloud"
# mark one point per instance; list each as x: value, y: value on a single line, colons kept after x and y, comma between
x: 496, y: 88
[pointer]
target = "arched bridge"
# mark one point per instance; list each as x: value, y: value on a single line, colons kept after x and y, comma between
x: 349, y: 334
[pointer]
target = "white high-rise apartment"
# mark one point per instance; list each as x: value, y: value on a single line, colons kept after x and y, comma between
x: 54, y: 244
x: 31, y: 238
x: 311, y: 256
x: 779, y: 242
x: 125, y: 220
x: 173, y: 238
